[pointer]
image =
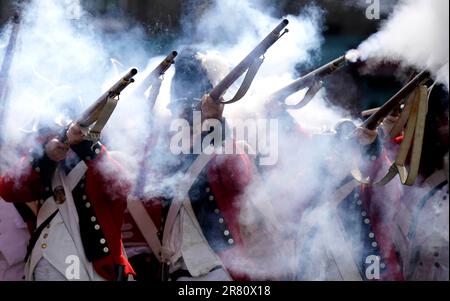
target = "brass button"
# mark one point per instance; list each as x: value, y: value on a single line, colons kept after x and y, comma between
x: 44, y: 246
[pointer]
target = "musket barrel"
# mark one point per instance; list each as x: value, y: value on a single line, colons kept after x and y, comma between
x: 373, y: 121
x: 237, y: 72
x: 90, y: 115
x: 157, y: 72
x: 308, y: 79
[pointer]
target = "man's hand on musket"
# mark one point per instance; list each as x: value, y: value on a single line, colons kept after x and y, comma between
x: 74, y: 134
x: 211, y: 109
x: 56, y: 150
x: 389, y: 123
x: 366, y: 136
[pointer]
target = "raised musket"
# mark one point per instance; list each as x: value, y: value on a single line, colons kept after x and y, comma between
x: 156, y: 74
x: 141, y: 179
x: 92, y: 113
x: 392, y: 104
x: 312, y: 80
x: 249, y: 64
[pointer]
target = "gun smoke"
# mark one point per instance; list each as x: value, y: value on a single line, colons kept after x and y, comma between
x: 416, y: 34
x: 63, y: 64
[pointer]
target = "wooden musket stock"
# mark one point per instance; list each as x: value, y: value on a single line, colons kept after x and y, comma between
x: 372, y: 122
x: 217, y: 92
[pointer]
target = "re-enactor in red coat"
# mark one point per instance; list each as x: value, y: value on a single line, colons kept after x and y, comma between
x: 347, y: 234
x: 82, y: 198
x: 206, y: 229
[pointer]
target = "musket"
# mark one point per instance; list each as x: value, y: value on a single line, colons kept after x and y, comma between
x: 312, y: 80
x: 156, y: 74
x: 6, y: 68
x: 101, y: 108
x: 249, y: 65
x: 373, y: 121
x: 141, y: 179
x: 397, y: 109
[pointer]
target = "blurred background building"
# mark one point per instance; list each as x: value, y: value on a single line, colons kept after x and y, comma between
x: 346, y: 25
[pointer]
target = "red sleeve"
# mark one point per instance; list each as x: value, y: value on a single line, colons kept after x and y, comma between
x: 21, y: 184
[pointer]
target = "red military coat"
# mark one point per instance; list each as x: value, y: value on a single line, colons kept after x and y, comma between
x: 350, y: 223
x: 223, y: 188
x: 104, y: 187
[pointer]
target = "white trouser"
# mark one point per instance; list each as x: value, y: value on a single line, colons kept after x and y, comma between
x: 13, y: 272
x: 216, y: 275
x: 44, y: 271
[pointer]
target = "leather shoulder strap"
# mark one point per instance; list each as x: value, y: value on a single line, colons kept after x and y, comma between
x: 145, y: 225
x: 183, y: 188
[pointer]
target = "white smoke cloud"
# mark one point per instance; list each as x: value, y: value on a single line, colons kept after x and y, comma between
x: 299, y: 175
x: 416, y: 34
x: 61, y: 60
